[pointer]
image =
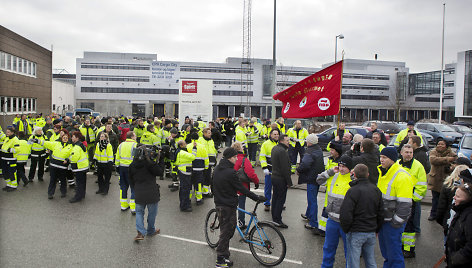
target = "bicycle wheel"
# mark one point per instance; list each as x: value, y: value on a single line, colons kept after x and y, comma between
x: 274, y: 249
x: 212, y: 228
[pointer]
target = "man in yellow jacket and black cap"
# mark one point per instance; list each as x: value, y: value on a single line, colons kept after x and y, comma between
x: 396, y: 186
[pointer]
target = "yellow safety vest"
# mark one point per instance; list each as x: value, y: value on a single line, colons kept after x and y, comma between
x: 24, y: 151
x: 302, y: 134
x: 419, y: 179
x: 104, y: 156
x: 78, y: 159
x: 201, y: 161
x: 265, y: 154
x: 124, y: 155
x: 336, y: 187
x: 183, y: 161
x: 60, y: 152
x: 10, y: 148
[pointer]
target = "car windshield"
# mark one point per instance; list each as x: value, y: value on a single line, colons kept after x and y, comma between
x: 463, y: 128
x: 444, y: 128
x: 467, y: 142
x: 389, y: 127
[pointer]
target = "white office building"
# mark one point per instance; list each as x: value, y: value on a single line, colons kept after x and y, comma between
x: 138, y: 84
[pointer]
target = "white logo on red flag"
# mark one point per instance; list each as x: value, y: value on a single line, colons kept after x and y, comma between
x: 303, y: 102
x: 323, y: 104
x: 287, y: 107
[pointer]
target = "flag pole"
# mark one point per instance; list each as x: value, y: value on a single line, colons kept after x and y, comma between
x: 441, y: 86
x: 341, y: 89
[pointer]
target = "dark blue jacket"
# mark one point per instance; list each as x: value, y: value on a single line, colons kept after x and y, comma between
x: 311, y: 165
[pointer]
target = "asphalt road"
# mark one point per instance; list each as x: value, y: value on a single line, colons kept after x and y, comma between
x: 37, y: 232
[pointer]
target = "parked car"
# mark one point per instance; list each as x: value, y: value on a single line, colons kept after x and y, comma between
x: 427, y: 140
x: 440, y: 131
x: 462, y: 123
x: 465, y: 146
x: 325, y: 137
x: 461, y: 129
x: 388, y: 127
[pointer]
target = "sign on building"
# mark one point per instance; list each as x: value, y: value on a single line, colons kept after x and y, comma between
x: 165, y: 74
x: 195, y: 99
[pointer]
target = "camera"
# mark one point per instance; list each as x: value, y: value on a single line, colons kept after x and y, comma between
x: 146, y: 151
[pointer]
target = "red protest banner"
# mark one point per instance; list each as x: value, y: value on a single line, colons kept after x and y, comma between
x: 314, y: 96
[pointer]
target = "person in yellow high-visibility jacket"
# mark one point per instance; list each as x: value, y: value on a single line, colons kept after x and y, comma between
x: 80, y: 165
x: 265, y: 157
x: 24, y: 151
x: 183, y: 162
x: 38, y: 155
x: 123, y: 158
x: 252, y: 140
x: 396, y: 186
x: 241, y: 134
x: 297, y: 136
x: 10, y: 148
x: 418, y: 175
x: 209, y: 145
x: 104, y: 158
x: 198, y: 165
x: 404, y: 133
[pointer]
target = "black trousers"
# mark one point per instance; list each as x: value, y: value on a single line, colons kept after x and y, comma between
x: 81, y: 183
x: 39, y: 162
x: 279, y: 194
x: 57, y: 174
x: 227, y: 218
x: 184, y: 190
x: 104, y: 175
x: 20, y: 172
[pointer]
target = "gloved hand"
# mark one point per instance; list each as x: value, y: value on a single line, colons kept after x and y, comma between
x: 261, y: 198
x: 34, y: 140
x: 256, y: 186
x: 266, y: 171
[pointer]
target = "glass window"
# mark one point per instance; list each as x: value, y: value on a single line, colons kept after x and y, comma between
x: 34, y: 105
x: 33, y: 71
x: 14, y: 63
x: 2, y: 60
x: 29, y: 105
x: 2, y: 104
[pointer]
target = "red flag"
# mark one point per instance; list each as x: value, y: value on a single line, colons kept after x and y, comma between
x: 314, y: 96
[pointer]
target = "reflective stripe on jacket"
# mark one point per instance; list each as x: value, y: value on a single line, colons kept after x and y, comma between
x: 265, y: 154
x: 104, y: 156
x: 124, y: 154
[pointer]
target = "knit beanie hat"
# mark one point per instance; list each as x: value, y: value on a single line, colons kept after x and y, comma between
x: 229, y: 152
x: 346, y: 161
x: 337, y: 147
x: 312, y: 138
x: 390, y: 152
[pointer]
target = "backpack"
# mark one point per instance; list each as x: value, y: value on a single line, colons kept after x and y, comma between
x: 243, y: 177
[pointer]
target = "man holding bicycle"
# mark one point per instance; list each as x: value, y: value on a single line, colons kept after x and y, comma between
x: 225, y: 187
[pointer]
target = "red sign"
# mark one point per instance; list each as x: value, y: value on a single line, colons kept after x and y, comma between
x: 314, y: 96
x: 189, y: 86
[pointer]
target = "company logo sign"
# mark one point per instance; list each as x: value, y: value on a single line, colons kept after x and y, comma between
x: 287, y: 107
x: 303, y: 102
x: 323, y: 104
x: 189, y: 86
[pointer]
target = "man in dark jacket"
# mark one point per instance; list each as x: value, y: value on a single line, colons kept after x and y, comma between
x: 311, y: 165
x: 361, y: 217
x: 370, y: 157
x: 142, y: 178
x: 228, y: 127
x: 374, y: 129
x: 420, y: 152
x: 281, y: 178
x: 226, y: 184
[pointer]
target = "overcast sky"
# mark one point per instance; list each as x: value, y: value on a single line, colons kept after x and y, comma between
x: 211, y: 30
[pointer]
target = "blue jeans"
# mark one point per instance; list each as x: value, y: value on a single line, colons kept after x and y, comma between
x: 312, y: 208
x: 333, y: 232
x: 417, y: 217
x: 267, y: 189
x: 358, y: 243
x: 151, y: 219
x: 390, y: 242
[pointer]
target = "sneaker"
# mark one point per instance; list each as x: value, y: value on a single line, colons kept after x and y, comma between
x: 25, y: 183
x: 50, y: 196
x: 158, y: 231
x: 200, y: 202
x: 139, y: 237
x: 224, y: 262
x: 133, y: 213
x: 431, y: 218
x: 98, y: 192
x: 74, y: 200
x: 186, y: 210
x: 304, y: 216
x: 10, y: 189
x: 309, y: 227
x: 40, y: 179
x: 267, y: 208
x: 124, y: 209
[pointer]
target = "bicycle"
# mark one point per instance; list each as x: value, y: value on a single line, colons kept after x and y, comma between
x: 266, y: 242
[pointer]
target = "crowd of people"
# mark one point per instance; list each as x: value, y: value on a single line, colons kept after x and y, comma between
x: 370, y: 188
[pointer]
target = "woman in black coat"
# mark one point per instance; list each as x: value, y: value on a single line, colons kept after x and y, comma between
x: 459, y: 237
x: 142, y: 177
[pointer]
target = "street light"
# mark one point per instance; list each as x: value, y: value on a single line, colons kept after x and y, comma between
x: 341, y: 36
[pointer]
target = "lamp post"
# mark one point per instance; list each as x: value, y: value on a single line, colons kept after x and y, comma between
x: 340, y: 36
x: 274, y: 78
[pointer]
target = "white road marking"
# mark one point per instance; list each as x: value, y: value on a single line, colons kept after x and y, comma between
x: 231, y: 248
